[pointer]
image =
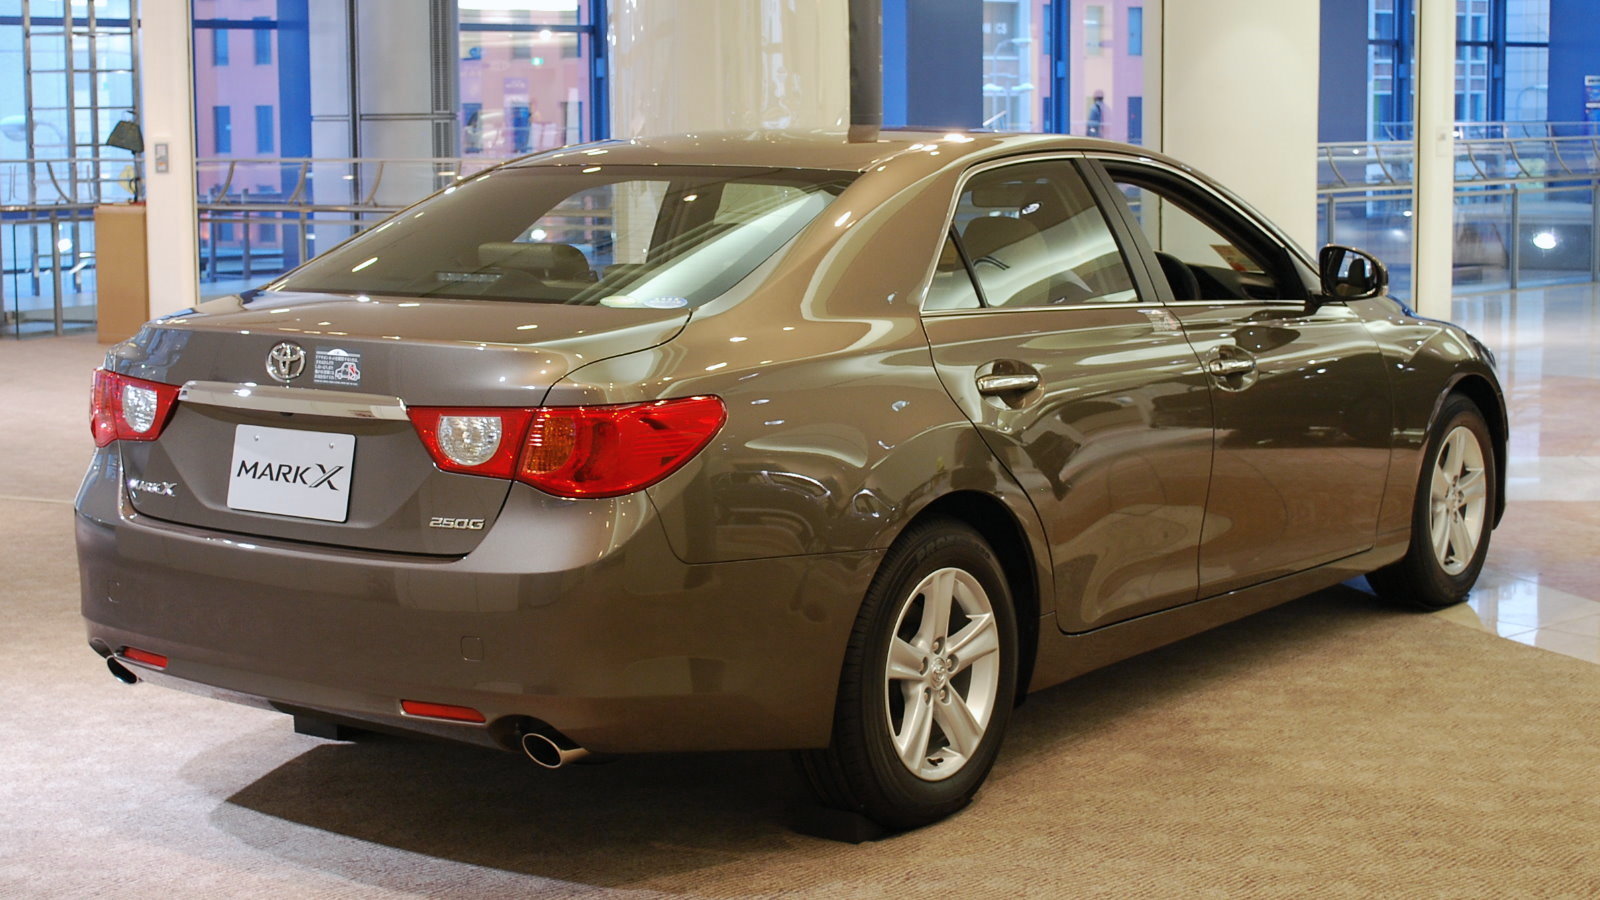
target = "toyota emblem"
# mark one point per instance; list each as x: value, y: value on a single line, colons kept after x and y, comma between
x: 286, y: 361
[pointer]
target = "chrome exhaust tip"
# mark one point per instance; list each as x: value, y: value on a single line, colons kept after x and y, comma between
x: 121, y: 672
x: 551, y: 752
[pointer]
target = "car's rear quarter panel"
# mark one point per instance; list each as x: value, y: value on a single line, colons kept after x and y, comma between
x: 839, y: 430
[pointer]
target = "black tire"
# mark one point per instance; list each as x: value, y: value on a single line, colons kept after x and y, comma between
x: 861, y: 771
x: 1420, y: 578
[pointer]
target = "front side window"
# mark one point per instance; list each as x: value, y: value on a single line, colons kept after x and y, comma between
x: 1034, y: 236
x: 1206, y: 250
x: 620, y: 236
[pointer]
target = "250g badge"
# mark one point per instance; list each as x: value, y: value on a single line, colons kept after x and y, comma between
x: 456, y: 524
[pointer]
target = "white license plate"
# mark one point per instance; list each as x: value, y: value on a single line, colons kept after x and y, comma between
x: 305, y: 474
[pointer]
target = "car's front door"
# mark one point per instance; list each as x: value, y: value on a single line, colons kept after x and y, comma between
x: 1080, y: 382
x: 1299, y: 389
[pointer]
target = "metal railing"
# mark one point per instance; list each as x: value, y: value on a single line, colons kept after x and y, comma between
x: 1405, y: 131
x: 52, y: 182
x: 1525, y: 210
x: 47, y: 248
x: 1362, y: 164
x: 262, y: 217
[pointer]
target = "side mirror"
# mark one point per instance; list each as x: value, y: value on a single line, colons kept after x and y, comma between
x: 1351, y: 274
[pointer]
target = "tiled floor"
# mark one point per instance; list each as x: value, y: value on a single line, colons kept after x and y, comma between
x: 1541, y: 584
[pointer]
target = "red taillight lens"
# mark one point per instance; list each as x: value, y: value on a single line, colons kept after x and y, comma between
x: 123, y: 408
x: 572, y: 451
x: 476, y: 441
x: 604, y: 451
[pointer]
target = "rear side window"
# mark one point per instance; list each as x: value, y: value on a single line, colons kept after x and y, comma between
x: 1035, y: 237
x: 952, y: 286
x: 621, y: 236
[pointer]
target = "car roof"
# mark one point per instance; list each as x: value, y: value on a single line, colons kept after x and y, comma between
x: 834, y: 150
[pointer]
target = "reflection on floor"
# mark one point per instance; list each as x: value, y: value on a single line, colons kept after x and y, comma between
x: 1541, y: 584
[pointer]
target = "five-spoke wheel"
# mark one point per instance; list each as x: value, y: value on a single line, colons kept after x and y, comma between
x: 929, y: 679
x: 1452, y: 516
x: 1459, y: 498
x: 943, y: 674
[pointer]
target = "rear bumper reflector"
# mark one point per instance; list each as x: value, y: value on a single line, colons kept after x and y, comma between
x: 134, y: 654
x: 441, y: 711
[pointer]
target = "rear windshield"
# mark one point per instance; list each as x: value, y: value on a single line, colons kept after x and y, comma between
x: 623, y: 236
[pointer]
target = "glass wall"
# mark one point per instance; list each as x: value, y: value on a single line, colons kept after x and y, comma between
x: 300, y: 146
x: 252, y: 98
x: 1502, y: 62
x: 241, y: 84
x: 1070, y: 66
x: 1016, y: 64
x: 526, y: 75
x: 1525, y: 184
x: 67, y: 77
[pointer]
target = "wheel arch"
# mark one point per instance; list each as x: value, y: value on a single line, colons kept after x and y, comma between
x: 1006, y: 536
x: 1488, y: 399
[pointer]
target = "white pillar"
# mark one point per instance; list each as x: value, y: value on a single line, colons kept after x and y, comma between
x: 1239, y: 89
x: 166, y: 78
x: 711, y: 65
x: 1434, y: 218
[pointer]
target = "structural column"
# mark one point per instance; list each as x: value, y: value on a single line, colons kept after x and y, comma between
x: 1436, y: 158
x: 166, y: 57
x: 1238, y: 100
x: 710, y: 65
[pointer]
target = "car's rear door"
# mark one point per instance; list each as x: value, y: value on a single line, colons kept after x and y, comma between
x: 1080, y: 382
x: 1300, y: 393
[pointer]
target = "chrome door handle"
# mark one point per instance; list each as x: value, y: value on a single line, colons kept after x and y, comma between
x: 1230, y: 366
x: 990, y: 385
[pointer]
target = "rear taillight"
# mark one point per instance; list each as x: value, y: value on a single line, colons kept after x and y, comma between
x: 603, y: 451
x: 476, y: 441
x: 572, y: 451
x: 123, y: 408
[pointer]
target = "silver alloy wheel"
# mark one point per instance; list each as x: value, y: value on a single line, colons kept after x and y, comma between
x: 940, y: 687
x: 1458, y: 500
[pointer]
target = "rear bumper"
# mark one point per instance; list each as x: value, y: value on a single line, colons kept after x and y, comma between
x: 572, y: 613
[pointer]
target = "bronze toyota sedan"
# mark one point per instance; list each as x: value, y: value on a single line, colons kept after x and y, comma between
x: 767, y: 441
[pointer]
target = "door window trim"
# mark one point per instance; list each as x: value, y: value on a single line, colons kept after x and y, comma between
x: 1219, y: 193
x: 1296, y: 255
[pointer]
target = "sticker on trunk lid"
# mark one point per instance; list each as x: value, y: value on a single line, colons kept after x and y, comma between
x: 335, y: 365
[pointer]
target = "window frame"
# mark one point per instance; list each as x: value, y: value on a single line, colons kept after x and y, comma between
x: 261, y: 40
x: 266, y: 128
x: 1078, y: 161
x: 1294, y: 259
x: 221, y: 129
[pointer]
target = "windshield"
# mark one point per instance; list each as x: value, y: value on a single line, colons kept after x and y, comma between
x: 624, y: 236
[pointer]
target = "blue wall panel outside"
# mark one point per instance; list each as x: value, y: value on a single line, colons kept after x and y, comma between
x: 1342, y: 113
x: 933, y: 63
x: 1574, y: 53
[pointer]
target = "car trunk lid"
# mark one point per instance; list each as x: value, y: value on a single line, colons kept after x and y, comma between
x: 330, y: 456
